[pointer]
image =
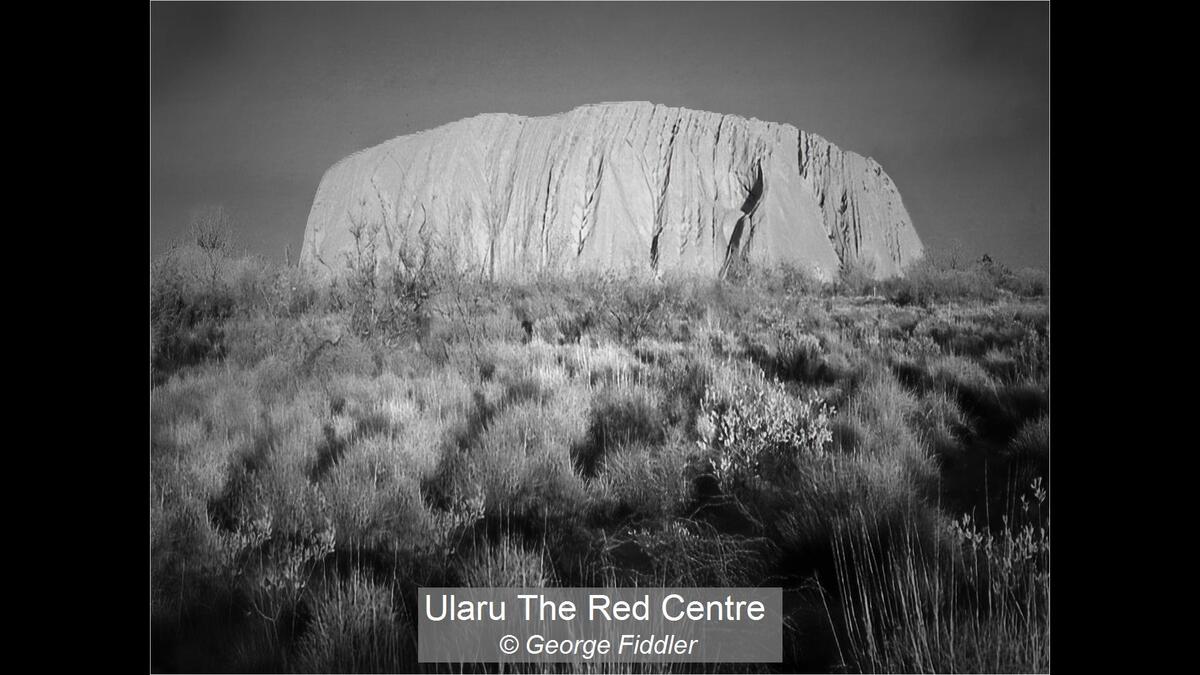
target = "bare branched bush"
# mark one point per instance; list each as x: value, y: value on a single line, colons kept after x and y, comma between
x: 186, y: 317
x: 211, y: 230
x: 387, y: 298
x: 857, y: 277
x: 637, y: 309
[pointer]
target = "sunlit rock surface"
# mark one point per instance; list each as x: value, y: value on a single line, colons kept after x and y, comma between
x: 614, y: 186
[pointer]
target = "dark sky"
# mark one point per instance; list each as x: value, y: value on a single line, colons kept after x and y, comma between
x: 250, y: 103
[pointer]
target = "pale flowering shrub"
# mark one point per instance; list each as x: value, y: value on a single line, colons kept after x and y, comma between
x: 758, y: 430
x: 1020, y: 548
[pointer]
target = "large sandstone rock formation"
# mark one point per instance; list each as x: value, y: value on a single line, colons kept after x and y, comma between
x: 632, y: 186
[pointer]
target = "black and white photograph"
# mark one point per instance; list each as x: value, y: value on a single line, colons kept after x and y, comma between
x: 684, y: 337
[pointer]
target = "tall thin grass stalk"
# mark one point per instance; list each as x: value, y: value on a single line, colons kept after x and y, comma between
x: 976, y: 603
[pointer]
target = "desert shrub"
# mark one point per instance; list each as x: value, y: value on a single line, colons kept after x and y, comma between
x: 941, y: 278
x: 387, y: 300
x: 636, y: 308
x: 185, y: 553
x: 799, y: 281
x: 857, y: 277
x: 269, y: 289
x: 273, y: 569
x: 577, y: 325
x: 190, y: 295
x: 296, y: 292
x: 759, y: 431
x: 1028, y: 283
x: 186, y: 317
x: 309, y: 344
x: 251, y: 283
x: 206, y: 304
x: 469, y: 315
x: 564, y: 313
x: 210, y: 231
x: 189, y: 344
x: 782, y: 280
x: 250, y: 340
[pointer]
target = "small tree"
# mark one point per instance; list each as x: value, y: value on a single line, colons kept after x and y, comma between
x: 387, y: 298
x: 362, y: 265
x: 637, y: 307
x: 211, y: 231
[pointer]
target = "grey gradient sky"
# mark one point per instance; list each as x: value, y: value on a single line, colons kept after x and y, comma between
x: 250, y: 103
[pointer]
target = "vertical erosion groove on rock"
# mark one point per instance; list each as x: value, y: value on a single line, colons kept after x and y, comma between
x: 632, y: 187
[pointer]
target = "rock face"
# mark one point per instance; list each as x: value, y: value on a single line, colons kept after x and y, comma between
x: 615, y: 186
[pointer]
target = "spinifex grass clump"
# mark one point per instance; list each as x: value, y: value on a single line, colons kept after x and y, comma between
x: 356, y: 627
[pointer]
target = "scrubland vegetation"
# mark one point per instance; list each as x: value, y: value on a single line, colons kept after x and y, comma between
x: 878, y: 449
